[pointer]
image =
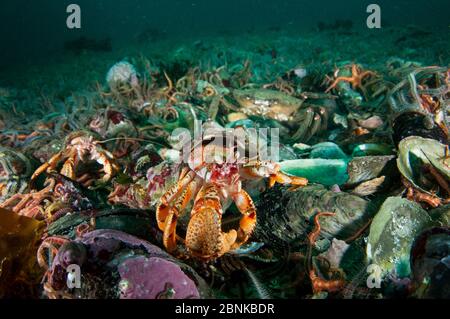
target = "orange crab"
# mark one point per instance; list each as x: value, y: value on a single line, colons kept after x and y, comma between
x: 80, y: 148
x: 213, y: 175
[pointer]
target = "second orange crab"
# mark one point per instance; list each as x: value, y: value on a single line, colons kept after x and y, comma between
x: 80, y: 148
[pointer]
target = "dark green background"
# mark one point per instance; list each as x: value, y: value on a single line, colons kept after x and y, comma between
x: 30, y: 29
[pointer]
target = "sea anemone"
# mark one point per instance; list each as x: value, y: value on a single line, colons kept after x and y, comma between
x: 121, y: 73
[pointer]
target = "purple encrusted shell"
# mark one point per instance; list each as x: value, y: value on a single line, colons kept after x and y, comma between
x: 154, y: 278
x: 104, y: 241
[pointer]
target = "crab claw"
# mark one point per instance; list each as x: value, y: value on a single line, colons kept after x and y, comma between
x: 247, y: 223
x: 50, y: 164
x: 204, y: 237
x: 282, y: 178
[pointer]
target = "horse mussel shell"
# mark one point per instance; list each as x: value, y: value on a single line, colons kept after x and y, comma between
x: 371, y: 174
x: 288, y: 217
x: 417, y: 124
x: 135, y: 222
x: 392, y: 233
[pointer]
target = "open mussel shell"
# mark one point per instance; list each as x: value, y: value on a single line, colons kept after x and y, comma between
x: 392, y: 234
x: 417, y: 124
x: 430, y: 263
x: 414, y: 153
x: 288, y: 217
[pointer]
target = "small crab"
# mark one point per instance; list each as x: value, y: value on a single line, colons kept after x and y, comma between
x: 303, y: 120
x: 268, y: 103
x: 80, y: 148
x: 213, y: 175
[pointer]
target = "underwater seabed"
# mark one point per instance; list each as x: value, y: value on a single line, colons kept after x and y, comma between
x: 357, y: 206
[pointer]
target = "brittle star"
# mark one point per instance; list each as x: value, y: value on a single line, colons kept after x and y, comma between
x: 355, y: 80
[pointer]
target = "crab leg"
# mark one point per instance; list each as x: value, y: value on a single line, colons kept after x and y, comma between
x: 163, y: 208
x: 170, y: 222
x: 247, y: 223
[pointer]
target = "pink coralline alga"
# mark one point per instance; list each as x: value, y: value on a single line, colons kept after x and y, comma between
x: 154, y: 278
